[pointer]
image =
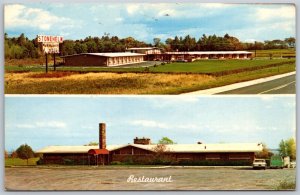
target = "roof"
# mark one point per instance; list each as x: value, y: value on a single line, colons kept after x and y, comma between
x: 178, y: 148
x: 209, y: 52
x: 98, y: 151
x: 112, y: 54
x: 141, y: 48
x: 72, y: 149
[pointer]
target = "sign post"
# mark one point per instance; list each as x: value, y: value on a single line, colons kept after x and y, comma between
x: 50, y: 45
x: 46, y: 63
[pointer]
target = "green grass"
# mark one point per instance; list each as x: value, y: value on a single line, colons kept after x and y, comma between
x: 276, y: 53
x: 129, y: 83
x: 212, y: 66
x: 230, y: 79
x: 201, y: 66
x: 20, y: 162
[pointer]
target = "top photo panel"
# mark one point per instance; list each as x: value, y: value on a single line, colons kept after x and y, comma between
x: 150, y: 48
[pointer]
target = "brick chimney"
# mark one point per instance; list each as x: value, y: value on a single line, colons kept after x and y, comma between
x: 102, y: 136
x: 143, y: 141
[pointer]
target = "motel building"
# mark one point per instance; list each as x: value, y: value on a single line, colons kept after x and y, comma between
x: 151, y: 53
x: 103, y: 59
x: 142, y: 54
x: 142, y: 150
x: 200, y: 55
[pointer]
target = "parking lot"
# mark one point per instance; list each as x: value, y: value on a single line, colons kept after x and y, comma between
x: 115, y: 178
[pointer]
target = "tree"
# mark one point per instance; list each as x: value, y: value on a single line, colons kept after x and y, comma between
x: 265, y: 153
x: 291, y: 148
x: 5, y: 154
x: 166, y: 141
x: 25, y: 152
x: 92, y: 144
x: 80, y: 48
x: 13, y: 154
x: 156, y: 42
x: 288, y: 148
x: 290, y: 41
x: 282, y: 149
x: 67, y: 47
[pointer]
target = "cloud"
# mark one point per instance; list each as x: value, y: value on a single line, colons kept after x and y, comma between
x: 265, y: 14
x: 149, y: 123
x: 43, y: 124
x: 21, y: 16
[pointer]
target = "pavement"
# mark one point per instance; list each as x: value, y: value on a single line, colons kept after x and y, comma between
x: 279, y: 84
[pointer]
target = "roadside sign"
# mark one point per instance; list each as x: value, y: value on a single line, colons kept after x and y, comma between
x: 50, y: 45
x: 49, y: 48
x: 50, y: 39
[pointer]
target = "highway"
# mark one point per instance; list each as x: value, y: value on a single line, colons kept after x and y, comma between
x: 285, y: 85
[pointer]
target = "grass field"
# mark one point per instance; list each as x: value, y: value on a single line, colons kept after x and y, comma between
x: 276, y: 53
x: 127, y: 83
x: 201, y: 66
x: 20, y: 162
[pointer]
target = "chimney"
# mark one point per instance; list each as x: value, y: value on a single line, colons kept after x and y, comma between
x: 143, y: 141
x: 102, y: 136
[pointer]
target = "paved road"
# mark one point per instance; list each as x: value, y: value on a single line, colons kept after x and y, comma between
x: 93, y: 178
x: 285, y: 85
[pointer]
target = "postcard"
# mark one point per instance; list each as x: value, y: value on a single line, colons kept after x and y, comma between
x: 149, y: 96
x: 144, y: 48
x: 150, y: 143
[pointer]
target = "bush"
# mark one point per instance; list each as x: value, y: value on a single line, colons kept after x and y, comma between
x: 116, y: 163
x: 215, y: 163
x: 40, y: 162
x: 286, y: 185
x: 68, y: 161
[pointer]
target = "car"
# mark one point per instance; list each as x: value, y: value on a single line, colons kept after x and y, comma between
x: 293, y: 164
x: 259, y: 164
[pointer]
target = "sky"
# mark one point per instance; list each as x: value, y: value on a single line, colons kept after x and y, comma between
x: 145, y: 21
x: 73, y: 120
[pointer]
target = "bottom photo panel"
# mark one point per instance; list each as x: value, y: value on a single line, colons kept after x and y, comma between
x: 150, y: 142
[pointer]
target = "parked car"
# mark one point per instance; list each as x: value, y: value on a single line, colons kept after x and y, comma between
x: 293, y: 164
x: 259, y: 164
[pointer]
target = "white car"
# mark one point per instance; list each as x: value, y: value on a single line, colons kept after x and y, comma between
x: 293, y: 164
x: 259, y: 164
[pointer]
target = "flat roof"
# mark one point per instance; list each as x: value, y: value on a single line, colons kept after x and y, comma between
x: 209, y: 52
x: 109, y: 54
x: 176, y: 148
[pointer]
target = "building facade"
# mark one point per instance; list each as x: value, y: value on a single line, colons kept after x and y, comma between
x: 143, y: 152
x: 103, y: 59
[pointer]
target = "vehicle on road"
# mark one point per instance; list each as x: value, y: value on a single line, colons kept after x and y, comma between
x: 259, y: 164
x: 276, y: 162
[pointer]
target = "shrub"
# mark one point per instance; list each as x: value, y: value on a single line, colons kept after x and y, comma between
x: 68, y: 161
x: 40, y: 162
x: 286, y: 185
x: 116, y: 163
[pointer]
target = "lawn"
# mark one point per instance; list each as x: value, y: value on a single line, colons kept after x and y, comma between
x: 20, y: 162
x: 127, y: 83
x: 200, y: 66
x: 212, y: 66
x: 276, y: 53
